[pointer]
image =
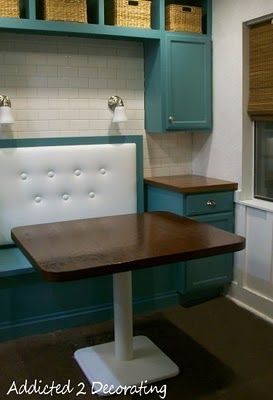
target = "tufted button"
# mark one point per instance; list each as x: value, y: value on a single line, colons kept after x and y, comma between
x: 91, y: 195
x: 38, y: 199
x: 102, y: 171
x: 77, y: 172
x: 23, y: 176
x: 51, y: 174
x: 66, y: 196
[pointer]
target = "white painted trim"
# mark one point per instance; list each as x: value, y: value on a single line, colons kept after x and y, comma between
x: 255, y: 302
x: 250, y: 309
x: 259, y: 19
x: 253, y: 202
x: 257, y: 203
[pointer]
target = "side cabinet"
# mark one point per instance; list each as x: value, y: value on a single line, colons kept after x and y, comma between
x: 178, y: 83
x: 188, y: 83
x: 202, y: 278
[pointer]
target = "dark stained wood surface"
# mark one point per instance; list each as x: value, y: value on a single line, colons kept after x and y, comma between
x: 98, y: 246
x: 191, y: 183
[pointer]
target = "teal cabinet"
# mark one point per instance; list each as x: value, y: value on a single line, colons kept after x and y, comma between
x: 188, y: 83
x: 202, y: 278
x: 178, y: 83
x: 213, y: 271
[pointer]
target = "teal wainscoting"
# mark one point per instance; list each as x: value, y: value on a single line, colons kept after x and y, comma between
x: 29, y: 305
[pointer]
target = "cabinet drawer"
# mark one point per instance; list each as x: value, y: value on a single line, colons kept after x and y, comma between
x: 209, y: 272
x: 207, y: 203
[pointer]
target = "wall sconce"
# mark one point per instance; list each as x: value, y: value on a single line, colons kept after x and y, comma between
x: 6, y: 116
x: 115, y: 103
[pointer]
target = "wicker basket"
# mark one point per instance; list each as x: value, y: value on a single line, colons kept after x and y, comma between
x: 183, y: 18
x: 131, y: 13
x: 65, y: 10
x: 9, y: 8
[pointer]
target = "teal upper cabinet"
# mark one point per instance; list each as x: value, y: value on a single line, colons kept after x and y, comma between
x: 188, y: 83
x: 178, y: 78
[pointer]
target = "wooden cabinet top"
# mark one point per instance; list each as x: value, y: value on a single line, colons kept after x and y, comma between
x: 191, y: 183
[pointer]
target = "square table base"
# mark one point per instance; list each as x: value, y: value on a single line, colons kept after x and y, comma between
x: 101, y: 367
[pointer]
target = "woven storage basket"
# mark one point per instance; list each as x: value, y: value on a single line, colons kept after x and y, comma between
x: 65, y: 10
x: 9, y: 8
x: 131, y: 13
x: 183, y: 18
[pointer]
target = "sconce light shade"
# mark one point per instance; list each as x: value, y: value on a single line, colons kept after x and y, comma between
x: 6, y: 116
x: 119, y: 114
x: 115, y: 103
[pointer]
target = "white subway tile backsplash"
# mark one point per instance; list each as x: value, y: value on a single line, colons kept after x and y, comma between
x: 80, y: 104
x: 67, y: 71
x: 13, y: 81
x: 25, y: 70
x: 60, y: 124
x: 15, y: 58
x: 60, y: 104
x: 89, y: 93
x: 79, y: 83
x: 95, y: 83
x: 67, y: 93
x: 56, y: 59
x: 88, y: 114
x: 106, y: 93
x: 36, y: 58
x: 116, y: 84
x: 135, y: 52
x: 99, y: 124
x: 30, y: 93
x: 49, y: 114
x: 130, y: 73
x: 69, y: 114
x: 36, y: 104
x: 105, y: 73
x: 60, y: 86
x: 79, y: 124
x: 58, y: 82
x: 77, y: 60
x: 47, y: 93
x: 35, y: 81
x: 8, y: 69
x: 19, y: 104
x: 133, y: 84
x: 88, y: 72
x: 97, y: 61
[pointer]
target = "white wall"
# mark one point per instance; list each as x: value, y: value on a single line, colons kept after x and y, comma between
x: 220, y: 155
x: 227, y: 153
x: 59, y: 86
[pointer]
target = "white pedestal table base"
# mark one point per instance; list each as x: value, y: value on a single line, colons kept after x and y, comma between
x: 128, y: 361
x: 149, y: 365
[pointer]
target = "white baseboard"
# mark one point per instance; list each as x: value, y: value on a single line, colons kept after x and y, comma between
x: 261, y: 306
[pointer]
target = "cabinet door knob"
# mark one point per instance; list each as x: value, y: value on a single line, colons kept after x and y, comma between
x: 211, y: 203
x: 170, y: 119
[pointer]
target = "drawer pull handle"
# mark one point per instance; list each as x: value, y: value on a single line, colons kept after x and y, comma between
x: 211, y: 203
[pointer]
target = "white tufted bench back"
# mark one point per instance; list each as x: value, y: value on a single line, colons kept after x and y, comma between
x: 56, y: 183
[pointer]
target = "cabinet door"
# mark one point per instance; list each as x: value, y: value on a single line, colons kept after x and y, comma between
x: 188, y: 83
x: 213, y: 271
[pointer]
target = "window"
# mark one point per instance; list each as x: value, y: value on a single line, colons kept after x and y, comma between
x: 260, y: 105
x: 263, y: 166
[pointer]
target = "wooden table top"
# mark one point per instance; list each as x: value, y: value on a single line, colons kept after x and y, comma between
x: 191, y: 183
x: 99, y: 246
